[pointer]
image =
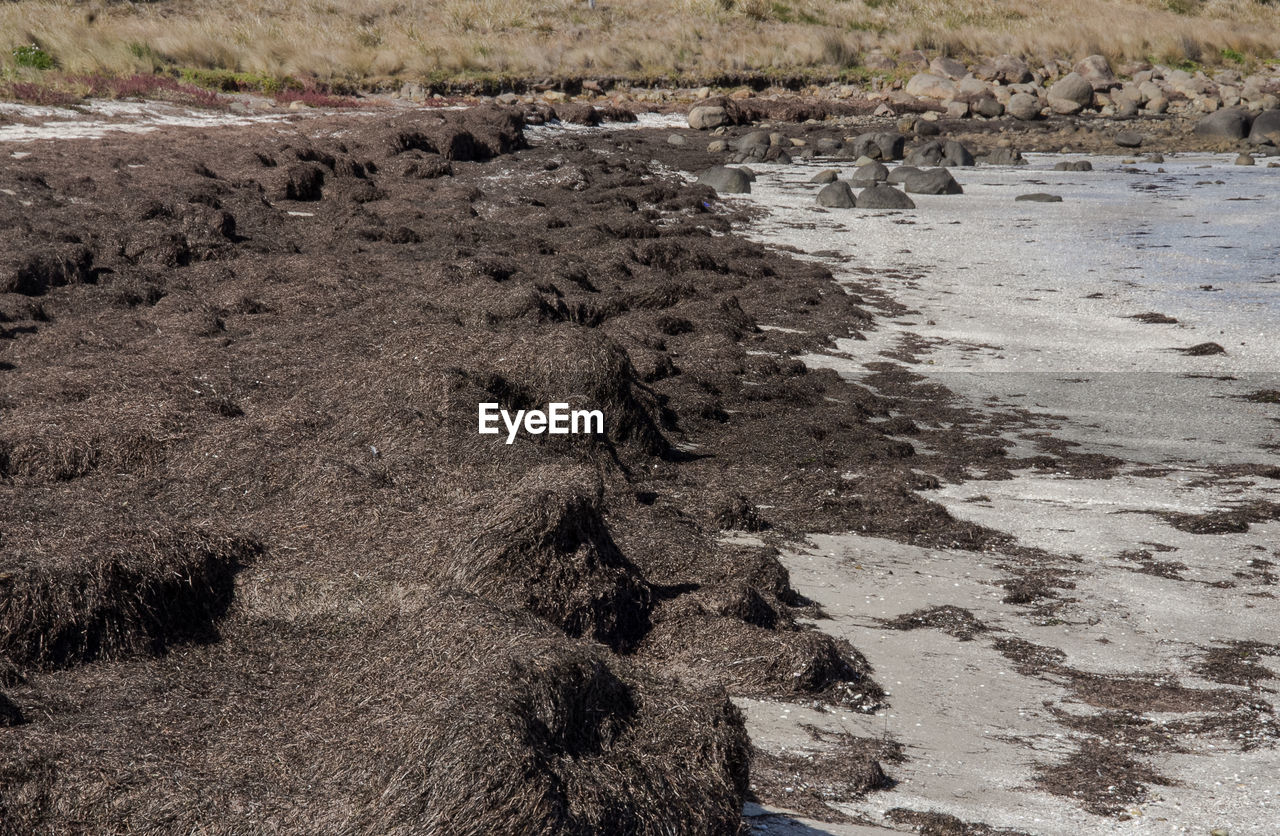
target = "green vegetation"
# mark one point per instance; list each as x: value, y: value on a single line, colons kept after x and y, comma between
x: 31, y: 55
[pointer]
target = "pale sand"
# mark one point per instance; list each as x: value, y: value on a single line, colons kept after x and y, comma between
x: 999, y: 289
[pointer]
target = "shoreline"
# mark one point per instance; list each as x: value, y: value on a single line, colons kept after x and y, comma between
x: 657, y: 607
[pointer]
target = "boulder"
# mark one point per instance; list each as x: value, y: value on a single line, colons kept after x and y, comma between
x: 1129, y: 139
x: 1231, y: 124
x: 1246, y: 159
x: 706, y: 117
x: 1096, y: 70
x: 900, y: 174
x: 1266, y: 127
x: 837, y: 195
x: 870, y: 174
x: 929, y: 86
x: 948, y: 68
x: 752, y: 140
x: 726, y: 180
x: 824, y: 177
x: 1072, y: 87
x: 933, y: 181
x: 930, y: 153
x: 954, y: 154
x: 1023, y: 106
x: 1004, y: 156
x: 883, y: 196
x: 880, y: 145
x: 1064, y: 107
x: 988, y: 106
x: 1004, y: 68
x: 1074, y: 165
x: 1039, y: 197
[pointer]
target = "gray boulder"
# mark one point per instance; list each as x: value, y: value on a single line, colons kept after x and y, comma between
x: 930, y: 86
x: 1074, y: 165
x: 752, y: 140
x: 900, y: 174
x: 879, y: 145
x: 930, y: 153
x: 988, y: 106
x: 1231, y: 123
x: 726, y: 180
x: 1072, y: 87
x: 948, y: 68
x: 1246, y: 159
x: 837, y: 195
x: 954, y: 154
x: 933, y: 181
x: 882, y: 196
x: 1004, y: 68
x: 824, y: 177
x: 706, y: 117
x: 1266, y: 127
x: 1129, y: 139
x: 1153, y: 158
x: 1023, y: 106
x: 870, y: 174
x: 1096, y: 70
x: 1004, y: 156
x: 1039, y: 197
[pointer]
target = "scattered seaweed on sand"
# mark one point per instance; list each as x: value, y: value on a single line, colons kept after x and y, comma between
x: 1228, y: 521
x: 1202, y: 350
x: 840, y: 768
x: 1102, y: 777
x: 1154, y: 318
x: 1236, y: 663
x: 954, y: 621
x: 934, y: 823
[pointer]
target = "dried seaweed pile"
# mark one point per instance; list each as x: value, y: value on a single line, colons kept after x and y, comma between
x: 258, y: 571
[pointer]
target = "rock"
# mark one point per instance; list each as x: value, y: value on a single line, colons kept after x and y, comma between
x: 900, y: 174
x: 1129, y: 139
x: 827, y: 145
x: 1153, y: 158
x: 954, y: 154
x: 1159, y: 104
x: 930, y: 153
x: 837, y: 195
x: 1004, y: 156
x: 1004, y: 68
x: 823, y: 177
x: 752, y: 140
x: 929, y: 86
x: 933, y: 181
x: 1245, y: 159
x: 1074, y: 165
x: 706, y: 117
x: 957, y: 110
x: 717, y: 146
x: 1023, y: 106
x: 726, y: 180
x: 1097, y: 71
x: 1266, y: 127
x: 676, y: 139
x: 925, y: 127
x: 1063, y: 107
x: 883, y: 196
x: 989, y: 107
x: 880, y: 145
x: 1072, y: 87
x: 1039, y: 197
x: 1232, y: 123
x: 948, y: 68
x: 870, y: 174
x: 508, y: 99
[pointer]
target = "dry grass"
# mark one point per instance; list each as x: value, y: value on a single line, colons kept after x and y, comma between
x: 370, y: 41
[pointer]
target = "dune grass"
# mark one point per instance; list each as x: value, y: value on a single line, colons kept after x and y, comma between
x: 372, y: 42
